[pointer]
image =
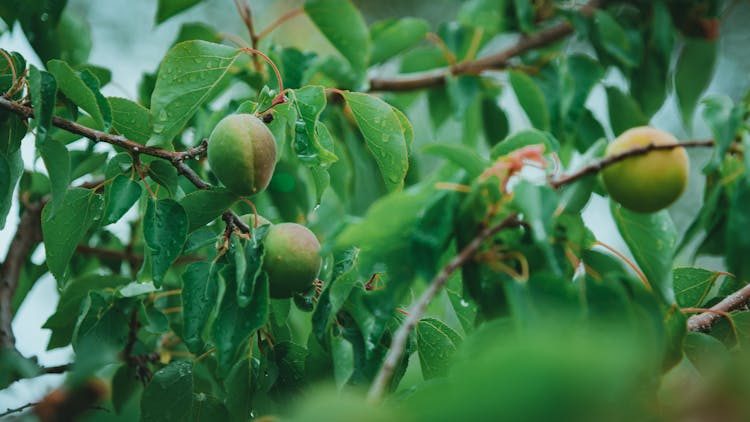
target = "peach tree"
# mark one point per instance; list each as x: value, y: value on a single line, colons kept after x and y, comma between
x: 387, y: 226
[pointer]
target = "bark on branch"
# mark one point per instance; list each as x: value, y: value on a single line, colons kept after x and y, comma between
x: 496, y: 61
x: 400, y: 338
x: 704, y: 322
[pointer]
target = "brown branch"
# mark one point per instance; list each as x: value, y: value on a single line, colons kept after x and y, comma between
x: 59, y: 369
x: 383, y: 378
x: 246, y: 13
x: 601, y: 164
x: 28, y: 234
x: 17, y: 409
x: 496, y: 61
x: 705, y: 321
x: 177, y: 158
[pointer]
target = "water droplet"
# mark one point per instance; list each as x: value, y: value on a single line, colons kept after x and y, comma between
x: 158, y: 128
x: 136, y: 149
x: 44, y: 17
x: 163, y: 115
x: 464, y: 303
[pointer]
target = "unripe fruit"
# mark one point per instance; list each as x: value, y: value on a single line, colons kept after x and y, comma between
x: 242, y: 153
x: 291, y: 261
x: 650, y: 182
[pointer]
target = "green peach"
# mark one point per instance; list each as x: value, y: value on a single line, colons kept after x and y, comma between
x: 292, y: 260
x: 650, y: 182
x: 242, y: 153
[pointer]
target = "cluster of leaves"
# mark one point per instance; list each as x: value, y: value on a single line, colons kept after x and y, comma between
x: 176, y: 314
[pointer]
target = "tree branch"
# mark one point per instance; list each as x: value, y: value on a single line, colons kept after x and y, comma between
x: 383, y: 378
x: 17, y: 409
x: 601, y: 164
x: 496, y: 61
x: 177, y: 158
x: 28, y: 234
x: 704, y: 322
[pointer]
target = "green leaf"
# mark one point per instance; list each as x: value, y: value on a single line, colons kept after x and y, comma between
x: 343, y: 25
x: 313, y: 143
x: 63, y: 321
x: 203, y: 206
x: 12, y: 131
x: 249, y: 262
x: 342, y: 353
x: 485, y: 14
x: 384, y: 134
x: 131, y: 119
x: 191, y: 73
x: 393, y: 36
x: 522, y: 139
x: 652, y: 239
x: 525, y: 15
x: 125, y: 385
x: 531, y: 99
x: 165, y: 228
x: 119, y: 196
x: 237, y: 400
x: 67, y: 227
x: 15, y: 367
x: 706, y: 353
x: 436, y: 344
x: 82, y: 88
x: 57, y: 162
x: 494, y: 121
x: 43, y: 91
x: 169, y: 395
x: 164, y: 174
x: 624, y: 112
x: 692, y: 286
x: 234, y: 325
x: 169, y: 8
x: 613, y: 38
x: 460, y: 155
x: 725, y: 120
x: 693, y: 72
x: 86, y: 162
x: 200, y: 289
x: 12, y: 163
x: 737, y: 246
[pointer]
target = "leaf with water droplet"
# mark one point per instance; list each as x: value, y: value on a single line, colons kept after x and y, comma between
x: 165, y: 227
x: 436, y: 344
x: 169, y: 395
x: 66, y: 228
x: 176, y: 99
x: 131, y: 119
x: 386, y: 134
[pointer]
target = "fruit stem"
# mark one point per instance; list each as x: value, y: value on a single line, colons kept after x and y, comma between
x: 279, y: 98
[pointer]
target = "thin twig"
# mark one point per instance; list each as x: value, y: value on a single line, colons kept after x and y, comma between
x: 705, y: 321
x: 383, y: 378
x: 601, y: 164
x: 17, y: 409
x: 246, y: 13
x: 496, y: 61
